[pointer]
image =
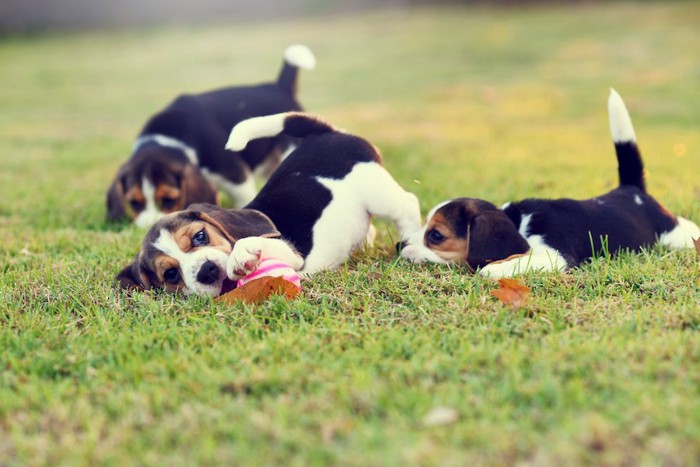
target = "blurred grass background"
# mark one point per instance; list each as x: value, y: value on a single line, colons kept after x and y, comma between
x: 463, y: 101
x: 476, y: 95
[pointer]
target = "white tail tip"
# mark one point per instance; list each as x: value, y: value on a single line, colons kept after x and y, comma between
x: 300, y: 56
x: 254, y: 128
x: 621, y: 127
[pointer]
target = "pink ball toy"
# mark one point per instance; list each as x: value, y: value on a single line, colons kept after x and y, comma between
x: 275, y: 268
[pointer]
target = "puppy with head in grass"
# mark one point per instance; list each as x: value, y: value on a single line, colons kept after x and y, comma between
x: 553, y: 235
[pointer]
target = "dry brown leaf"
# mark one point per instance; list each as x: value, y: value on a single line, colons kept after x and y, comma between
x: 511, y: 292
x: 259, y: 290
x: 696, y: 241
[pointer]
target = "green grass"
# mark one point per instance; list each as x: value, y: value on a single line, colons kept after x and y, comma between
x: 601, y: 367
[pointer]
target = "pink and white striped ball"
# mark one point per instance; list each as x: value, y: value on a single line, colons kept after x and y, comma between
x: 275, y: 268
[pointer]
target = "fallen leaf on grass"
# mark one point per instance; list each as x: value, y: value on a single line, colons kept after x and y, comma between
x: 511, y: 292
x: 696, y: 241
x: 440, y: 416
x: 259, y: 290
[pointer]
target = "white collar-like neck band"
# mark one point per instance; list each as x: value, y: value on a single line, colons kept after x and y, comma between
x: 168, y: 142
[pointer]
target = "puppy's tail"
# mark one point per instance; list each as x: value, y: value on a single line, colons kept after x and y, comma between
x: 295, y: 57
x: 629, y: 160
x: 295, y: 124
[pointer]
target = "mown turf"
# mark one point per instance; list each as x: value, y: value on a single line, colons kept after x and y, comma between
x: 602, y: 366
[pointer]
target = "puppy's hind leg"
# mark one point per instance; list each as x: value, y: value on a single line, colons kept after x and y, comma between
x: 371, y: 234
x: 385, y: 198
x: 682, y: 236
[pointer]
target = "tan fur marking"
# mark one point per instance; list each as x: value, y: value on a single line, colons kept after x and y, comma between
x: 171, y: 192
x: 527, y: 253
x: 134, y: 194
x: 452, y: 248
x: 183, y: 236
x: 162, y: 263
x: 666, y: 211
x: 378, y: 154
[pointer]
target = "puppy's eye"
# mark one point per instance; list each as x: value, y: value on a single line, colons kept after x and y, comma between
x: 200, y: 238
x: 136, y: 205
x: 435, y: 237
x: 172, y: 276
x: 168, y: 203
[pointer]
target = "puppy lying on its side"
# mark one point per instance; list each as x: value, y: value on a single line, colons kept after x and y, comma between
x: 312, y: 213
x: 553, y: 235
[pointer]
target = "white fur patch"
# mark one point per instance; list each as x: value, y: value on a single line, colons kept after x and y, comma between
x: 415, y: 249
x: 250, y: 250
x: 190, y: 264
x: 254, y: 128
x: 150, y: 213
x: 524, y: 228
x: 300, y: 56
x: 371, y: 235
x: 367, y: 190
x: 168, y: 142
x: 290, y: 149
x: 682, y: 236
x: 241, y: 194
x: 541, y: 257
x: 621, y: 127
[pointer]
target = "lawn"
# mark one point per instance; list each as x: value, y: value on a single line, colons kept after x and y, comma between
x: 601, y: 366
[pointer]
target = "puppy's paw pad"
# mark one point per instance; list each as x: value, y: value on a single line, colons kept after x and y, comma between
x: 244, y: 259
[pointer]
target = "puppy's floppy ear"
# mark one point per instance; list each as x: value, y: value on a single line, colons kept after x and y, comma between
x: 115, y: 200
x: 195, y: 187
x: 492, y: 237
x: 131, y: 277
x: 237, y: 223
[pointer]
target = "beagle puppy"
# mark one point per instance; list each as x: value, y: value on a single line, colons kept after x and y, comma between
x: 179, y: 157
x: 553, y: 235
x: 312, y: 213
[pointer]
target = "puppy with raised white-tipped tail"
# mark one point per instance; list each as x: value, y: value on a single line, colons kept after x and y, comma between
x: 553, y: 235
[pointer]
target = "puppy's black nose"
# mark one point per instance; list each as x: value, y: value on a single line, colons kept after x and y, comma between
x: 400, y: 246
x: 208, y: 273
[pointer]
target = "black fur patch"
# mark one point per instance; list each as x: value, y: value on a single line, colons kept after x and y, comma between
x: 293, y: 197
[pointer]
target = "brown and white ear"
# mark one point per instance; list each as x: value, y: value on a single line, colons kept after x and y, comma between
x: 116, y: 209
x: 237, y: 223
x: 492, y: 237
x: 196, y: 188
x: 131, y: 277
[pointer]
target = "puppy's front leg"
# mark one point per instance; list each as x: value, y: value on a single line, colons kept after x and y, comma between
x: 544, y: 260
x: 247, y: 253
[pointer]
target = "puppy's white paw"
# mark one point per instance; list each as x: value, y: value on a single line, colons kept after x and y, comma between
x: 412, y: 253
x: 410, y: 220
x: 682, y: 236
x: 244, y: 258
x: 371, y: 235
x: 420, y: 254
x: 498, y: 270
